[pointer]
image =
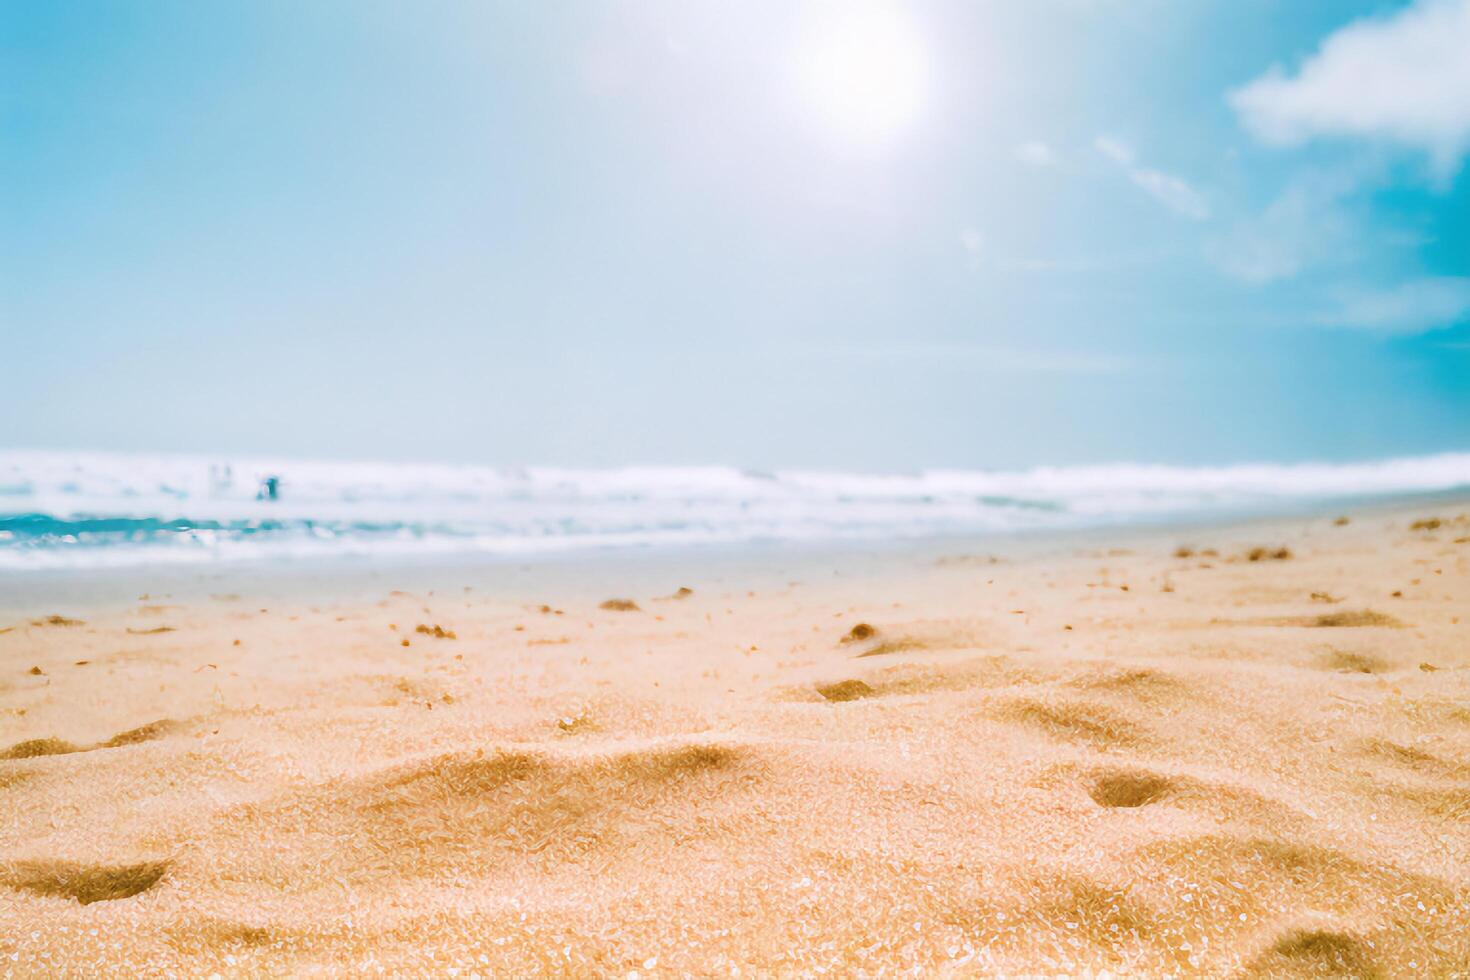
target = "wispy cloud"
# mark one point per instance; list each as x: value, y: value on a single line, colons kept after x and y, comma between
x: 973, y: 242
x: 1113, y: 260
x: 1036, y: 154
x: 986, y: 358
x: 1115, y: 149
x: 1403, y: 79
x: 1306, y: 225
x: 1416, y: 306
x: 1172, y: 192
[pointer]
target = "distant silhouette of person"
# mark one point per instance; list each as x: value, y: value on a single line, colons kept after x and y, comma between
x: 270, y: 489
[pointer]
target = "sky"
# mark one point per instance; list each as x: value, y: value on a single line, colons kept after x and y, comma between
x: 859, y: 235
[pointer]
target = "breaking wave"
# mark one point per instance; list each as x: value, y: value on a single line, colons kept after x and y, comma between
x: 96, y: 509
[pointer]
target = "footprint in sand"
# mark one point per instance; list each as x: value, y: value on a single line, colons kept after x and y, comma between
x: 1129, y: 789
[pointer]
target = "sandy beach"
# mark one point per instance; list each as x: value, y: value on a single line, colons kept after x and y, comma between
x: 1238, y: 749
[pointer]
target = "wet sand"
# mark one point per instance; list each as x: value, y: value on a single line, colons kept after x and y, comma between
x: 1145, y: 753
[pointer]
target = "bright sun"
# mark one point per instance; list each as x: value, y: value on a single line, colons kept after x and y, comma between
x: 863, y: 71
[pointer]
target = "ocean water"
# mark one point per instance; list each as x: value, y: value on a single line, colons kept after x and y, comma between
x: 90, y: 510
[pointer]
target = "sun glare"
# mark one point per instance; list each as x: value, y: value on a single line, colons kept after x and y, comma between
x: 863, y: 70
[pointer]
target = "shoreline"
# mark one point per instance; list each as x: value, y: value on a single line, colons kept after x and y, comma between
x: 356, y: 577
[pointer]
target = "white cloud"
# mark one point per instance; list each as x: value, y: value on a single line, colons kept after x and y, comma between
x: 1416, y: 306
x: 1036, y: 154
x: 1404, y: 78
x: 1173, y: 192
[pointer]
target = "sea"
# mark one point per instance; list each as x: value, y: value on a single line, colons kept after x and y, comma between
x: 92, y: 510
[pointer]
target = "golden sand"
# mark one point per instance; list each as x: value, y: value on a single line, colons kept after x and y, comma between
x: 1162, y: 757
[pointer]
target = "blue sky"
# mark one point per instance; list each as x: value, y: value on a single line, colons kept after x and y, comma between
x: 849, y: 235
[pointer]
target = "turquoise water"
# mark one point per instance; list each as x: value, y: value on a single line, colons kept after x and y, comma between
x: 76, y: 510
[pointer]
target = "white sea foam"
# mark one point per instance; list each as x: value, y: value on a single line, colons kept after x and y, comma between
x: 62, y: 509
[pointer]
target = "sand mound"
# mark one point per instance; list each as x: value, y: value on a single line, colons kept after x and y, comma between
x: 849, y: 690
x: 480, y: 810
x: 1074, y: 721
x: 904, y: 644
x: 215, y: 934
x: 10, y: 777
x: 978, y: 672
x: 32, y: 748
x: 481, y: 775
x: 36, y: 747
x: 1315, y: 952
x: 1414, y: 758
x: 1448, y: 805
x: 57, y: 621
x: 1110, y: 922
x: 1355, y: 618
x: 1353, y: 662
x: 1142, y: 683
x: 86, y: 883
x: 143, y: 733
x: 1328, y: 878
